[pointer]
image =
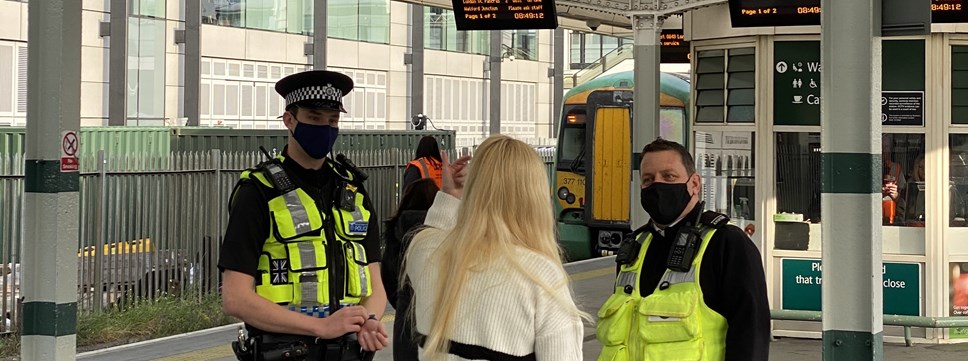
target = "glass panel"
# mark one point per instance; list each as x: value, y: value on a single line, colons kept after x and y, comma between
x: 575, y: 53
x: 741, y: 114
x: 725, y: 162
x: 593, y: 48
x: 343, y: 19
x: 710, y: 64
x: 959, y: 84
x: 672, y: 124
x: 742, y: 80
x: 375, y: 21
x: 572, y: 145
x: 299, y: 16
x: 958, y: 193
x: 709, y: 81
x: 741, y: 97
x: 153, y: 8
x: 6, y: 78
x: 146, y: 71
x: 797, y: 190
x: 709, y: 97
x: 223, y: 12
x: 265, y: 14
x: 741, y: 62
x: 903, y: 186
x: 710, y: 115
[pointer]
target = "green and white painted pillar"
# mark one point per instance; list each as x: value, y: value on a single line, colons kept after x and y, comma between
x: 850, y: 175
x: 51, y: 181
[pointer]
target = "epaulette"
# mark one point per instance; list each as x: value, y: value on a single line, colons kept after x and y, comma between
x: 345, y: 164
x: 714, y: 219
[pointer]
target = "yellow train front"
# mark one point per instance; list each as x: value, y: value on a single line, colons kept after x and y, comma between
x: 593, y: 168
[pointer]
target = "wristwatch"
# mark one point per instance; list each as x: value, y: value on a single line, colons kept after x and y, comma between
x: 373, y: 317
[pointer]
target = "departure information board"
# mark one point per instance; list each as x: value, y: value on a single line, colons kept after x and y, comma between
x: 505, y: 14
x: 753, y: 13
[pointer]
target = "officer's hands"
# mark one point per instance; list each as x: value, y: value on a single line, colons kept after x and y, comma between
x: 453, y: 175
x: 341, y: 322
x: 373, y: 336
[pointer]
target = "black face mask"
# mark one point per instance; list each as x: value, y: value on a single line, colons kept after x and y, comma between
x: 665, y: 201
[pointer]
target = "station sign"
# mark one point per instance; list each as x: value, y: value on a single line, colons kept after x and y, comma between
x: 504, y: 14
x: 796, y: 82
x: 756, y: 13
x: 674, y: 47
x: 802, y: 280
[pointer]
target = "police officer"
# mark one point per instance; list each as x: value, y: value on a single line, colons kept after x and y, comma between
x: 690, y: 286
x: 300, y: 258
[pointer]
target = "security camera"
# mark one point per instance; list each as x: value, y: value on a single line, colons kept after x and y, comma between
x: 593, y: 24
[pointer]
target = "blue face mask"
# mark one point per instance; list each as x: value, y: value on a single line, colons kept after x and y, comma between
x: 316, y: 140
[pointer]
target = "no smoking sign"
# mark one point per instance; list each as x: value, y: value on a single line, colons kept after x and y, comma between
x: 69, y: 145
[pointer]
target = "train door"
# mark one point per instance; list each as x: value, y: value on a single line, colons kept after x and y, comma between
x: 607, y: 209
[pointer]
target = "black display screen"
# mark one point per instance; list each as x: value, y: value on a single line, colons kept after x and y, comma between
x: 754, y: 13
x: 505, y: 14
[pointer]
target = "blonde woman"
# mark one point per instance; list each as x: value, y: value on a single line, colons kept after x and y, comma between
x: 486, y: 273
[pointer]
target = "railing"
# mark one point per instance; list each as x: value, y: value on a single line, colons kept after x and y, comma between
x: 892, y: 320
x: 600, y: 66
x: 153, y: 225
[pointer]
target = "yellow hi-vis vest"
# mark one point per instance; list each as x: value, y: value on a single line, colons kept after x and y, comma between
x: 672, y: 324
x: 292, y: 266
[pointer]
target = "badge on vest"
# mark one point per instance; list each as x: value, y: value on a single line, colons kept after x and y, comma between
x: 279, y: 271
x: 359, y: 227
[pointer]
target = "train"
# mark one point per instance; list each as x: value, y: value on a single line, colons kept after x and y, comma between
x: 591, y: 192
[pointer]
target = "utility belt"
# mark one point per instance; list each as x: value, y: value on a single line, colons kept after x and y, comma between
x: 283, y: 347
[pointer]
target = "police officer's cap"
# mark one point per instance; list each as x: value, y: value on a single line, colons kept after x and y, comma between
x: 316, y: 89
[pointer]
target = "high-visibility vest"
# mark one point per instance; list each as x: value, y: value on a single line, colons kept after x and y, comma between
x: 292, y: 265
x: 673, y: 323
x: 429, y: 168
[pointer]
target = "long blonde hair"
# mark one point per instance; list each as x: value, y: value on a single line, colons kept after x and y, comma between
x: 506, y: 204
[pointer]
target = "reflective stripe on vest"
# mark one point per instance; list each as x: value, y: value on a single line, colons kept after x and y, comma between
x: 293, y: 265
x: 429, y: 168
x: 672, y: 323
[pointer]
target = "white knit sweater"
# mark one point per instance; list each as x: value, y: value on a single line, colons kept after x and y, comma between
x: 500, y: 310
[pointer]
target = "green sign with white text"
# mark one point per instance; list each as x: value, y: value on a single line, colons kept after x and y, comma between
x: 801, y: 282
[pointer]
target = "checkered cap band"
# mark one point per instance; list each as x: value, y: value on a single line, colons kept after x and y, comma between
x: 327, y: 92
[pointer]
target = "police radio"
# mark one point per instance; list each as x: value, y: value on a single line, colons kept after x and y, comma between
x: 276, y: 174
x: 685, y: 245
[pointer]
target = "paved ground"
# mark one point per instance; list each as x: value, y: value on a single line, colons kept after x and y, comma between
x: 592, y: 284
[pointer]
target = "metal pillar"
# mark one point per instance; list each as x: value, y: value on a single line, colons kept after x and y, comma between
x: 850, y: 172
x: 118, y: 60
x: 319, y: 34
x: 558, y: 82
x: 645, y: 111
x: 50, y: 194
x: 193, y: 62
x: 416, y: 79
x: 494, y: 99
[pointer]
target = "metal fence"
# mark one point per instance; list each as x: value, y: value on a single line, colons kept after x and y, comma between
x: 152, y: 225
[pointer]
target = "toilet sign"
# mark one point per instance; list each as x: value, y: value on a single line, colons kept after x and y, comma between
x: 69, y: 145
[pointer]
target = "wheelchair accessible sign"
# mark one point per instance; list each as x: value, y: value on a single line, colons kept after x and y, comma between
x: 801, y: 284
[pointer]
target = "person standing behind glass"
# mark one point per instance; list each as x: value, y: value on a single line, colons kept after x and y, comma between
x: 416, y: 200
x: 893, y: 182
x: 425, y: 163
x: 487, y: 273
